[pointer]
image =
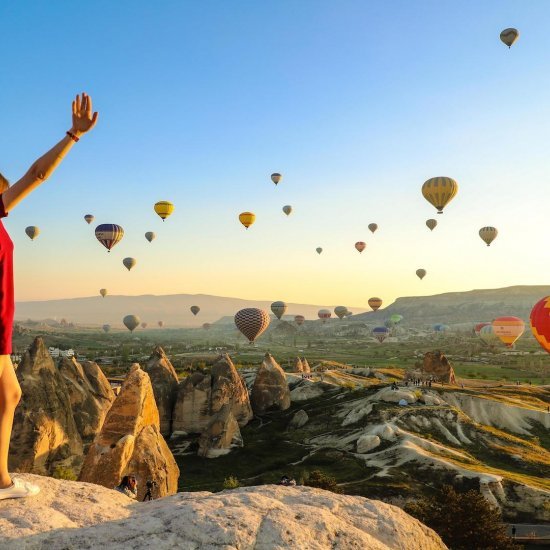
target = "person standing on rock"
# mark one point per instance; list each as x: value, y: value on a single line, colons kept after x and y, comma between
x: 83, y: 120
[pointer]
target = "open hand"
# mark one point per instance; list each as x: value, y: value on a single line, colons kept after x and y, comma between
x: 83, y: 119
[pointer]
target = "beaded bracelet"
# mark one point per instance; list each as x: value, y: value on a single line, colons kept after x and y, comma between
x: 73, y: 137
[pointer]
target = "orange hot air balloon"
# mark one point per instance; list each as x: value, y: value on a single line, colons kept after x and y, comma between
x: 247, y: 218
x: 252, y: 322
x: 360, y: 246
x: 375, y: 303
x: 540, y: 322
x: 508, y: 329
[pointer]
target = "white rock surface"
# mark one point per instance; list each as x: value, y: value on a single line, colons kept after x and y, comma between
x: 307, y: 390
x: 70, y: 515
x: 394, y: 396
x: 299, y: 419
x: 367, y: 442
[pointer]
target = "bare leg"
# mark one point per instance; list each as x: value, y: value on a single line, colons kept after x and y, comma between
x: 10, y: 394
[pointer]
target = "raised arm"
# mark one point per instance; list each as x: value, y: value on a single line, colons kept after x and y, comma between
x: 84, y: 119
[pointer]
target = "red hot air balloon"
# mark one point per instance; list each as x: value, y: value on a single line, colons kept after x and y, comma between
x: 508, y: 329
x: 479, y: 326
x: 360, y: 246
x: 252, y: 322
x: 540, y: 322
x: 324, y: 314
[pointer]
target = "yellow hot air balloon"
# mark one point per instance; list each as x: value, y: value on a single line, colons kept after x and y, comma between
x: 247, y: 218
x: 488, y: 234
x: 509, y: 36
x: 276, y: 177
x: 508, y: 329
x: 103, y: 292
x: 164, y: 209
x: 431, y: 223
x: 129, y: 263
x: 439, y: 191
x: 375, y: 303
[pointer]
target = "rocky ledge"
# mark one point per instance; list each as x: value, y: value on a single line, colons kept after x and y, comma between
x: 82, y: 515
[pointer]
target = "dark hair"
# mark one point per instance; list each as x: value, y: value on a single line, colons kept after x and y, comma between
x: 4, y: 183
x: 126, y: 481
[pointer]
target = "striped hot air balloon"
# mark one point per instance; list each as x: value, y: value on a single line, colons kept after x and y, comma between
x: 89, y: 218
x: 509, y: 36
x: 540, y: 322
x: 488, y: 234
x: 479, y: 326
x: 440, y: 191
x: 278, y: 308
x: 299, y: 319
x: 164, y: 209
x: 508, y: 329
x: 131, y: 322
x: 375, y: 303
x: 373, y: 227
x: 360, y: 246
x: 324, y: 315
x: 109, y: 234
x: 129, y: 263
x: 252, y: 322
x: 380, y: 333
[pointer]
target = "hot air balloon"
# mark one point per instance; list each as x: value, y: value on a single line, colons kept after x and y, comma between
x: 89, y: 218
x: 247, y: 218
x: 396, y: 318
x: 508, y: 329
x: 150, y: 236
x: 380, y: 333
x: 479, y: 326
x: 276, y: 177
x: 129, y: 263
x: 324, y: 314
x: 373, y: 227
x: 509, y: 36
x: 440, y: 191
x: 206, y: 326
x: 340, y: 311
x: 131, y: 322
x: 360, y: 246
x: 164, y: 209
x: 299, y: 319
x: 487, y: 334
x: 32, y: 232
x: 488, y: 234
x: 540, y: 322
x: 109, y: 234
x: 421, y: 273
x: 103, y: 292
x: 106, y: 328
x: 143, y: 325
x: 431, y: 223
x: 195, y: 309
x: 278, y: 308
x: 375, y: 303
x: 319, y: 250
x: 252, y: 322
x: 287, y: 209
x: 160, y: 324
x: 440, y: 327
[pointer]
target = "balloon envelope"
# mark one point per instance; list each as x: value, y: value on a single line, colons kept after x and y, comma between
x: 396, y: 318
x: 380, y: 333
x: 106, y: 328
x: 509, y: 36
x: 340, y: 311
x: 247, y: 218
x: 252, y: 322
x: 421, y: 273
x: 487, y: 334
x: 206, y: 326
x: 160, y: 324
x: 129, y: 263
x: 324, y: 314
x: 488, y: 234
x: 540, y: 322
x: 431, y: 223
x: 150, y: 236
x: 143, y: 325
x: 479, y: 326
x: 103, y: 292
x: 508, y: 329
x: 89, y: 218
x: 319, y: 250
x: 373, y: 227
x: 109, y: 234
x: 164, y: 209
x: 278, y: 308
x: 375, y: 303
x: 32, y: 232
x: 195, y: 309
x: 131, y: 322
x: 440, y: 191
x: 360, y: 246
x: 276, y: 177
x: 299, y: 319
x: 287, y: 209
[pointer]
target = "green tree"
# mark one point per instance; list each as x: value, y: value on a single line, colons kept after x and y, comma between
x: 465, y: 521
x: 231, y: 482
x: 320, y: 480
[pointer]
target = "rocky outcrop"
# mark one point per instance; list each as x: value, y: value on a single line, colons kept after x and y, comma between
x: 130, y: 441
x: 270, y: 389
x: 299, y: 419
x: 78, y: 515
x: 437, y: 365
x: 221, y: 434
x: 90, y: 395
x: 305, y: 365
x: 45, y: 435
x: 298, y: 366
x: 366, y: 443
x: 165, y: 387
x: 202, y: 396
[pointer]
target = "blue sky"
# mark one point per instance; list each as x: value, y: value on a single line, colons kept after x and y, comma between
x: 357, y: 103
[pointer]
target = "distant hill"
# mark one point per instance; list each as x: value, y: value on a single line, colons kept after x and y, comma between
x: 462, y: 307
x: 172, y: 309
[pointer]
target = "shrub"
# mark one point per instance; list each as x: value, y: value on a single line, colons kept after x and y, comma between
x: 231, y: 482
x: 320, y: 480
x: 60, y: 472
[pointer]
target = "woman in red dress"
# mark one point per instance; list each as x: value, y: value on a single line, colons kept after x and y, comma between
x: 84, y: 119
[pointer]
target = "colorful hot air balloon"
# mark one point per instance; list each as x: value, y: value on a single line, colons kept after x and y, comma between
x: 164, y: 209
x: 206, y: 326
x: 540, y: 322
x: 103, y: 292
x: 150, y: 236
x: 396, y: 318
x: 487, y: 334
x: 32, y: 232
x: 106, y: 328
x: 278, y: 308
x: 276, y: 177
x: 421, y: 273
x: 287, y: 209
x: 143, y: 325
x: 373, y: 227
x: 360, y: 246
x: 195, y: 309
x: 252, y: 322
x: 440, y: 191
x: 247, y: 218
x: 324, y: 314
x: 340, y: 311
x: 319, y: 250
x: 509, y: 36
x: 479, y: 326
x: 431, y: 223
x: 380, y: 333
x: 160, y: 324
x: 131, y: 322
x: 109, y: 234
x: 299, y: 319
x: 375, y: 303
x: 129, y: 263
x: 89, y: 218
x: 488, y: 234
x: 508, y: 329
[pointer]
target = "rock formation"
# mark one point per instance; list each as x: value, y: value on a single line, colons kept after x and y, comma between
x: 221, y: 434
x: 270, y: 389
x: 298, y: 366
x: 165, y: 387
x: 299, y: 419
x: 130, y: 441
x: 201, y: 396
x: 78, y: 515
x: 366, y: 443
x: 305, y: 365
x: 90, y: 395
x: 437, y: 365
x: 44, y: 434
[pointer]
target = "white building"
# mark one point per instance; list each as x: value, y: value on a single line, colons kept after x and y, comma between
x: 56, y: 352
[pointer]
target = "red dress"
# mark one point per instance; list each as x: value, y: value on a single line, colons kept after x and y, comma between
x: 7, y: 305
